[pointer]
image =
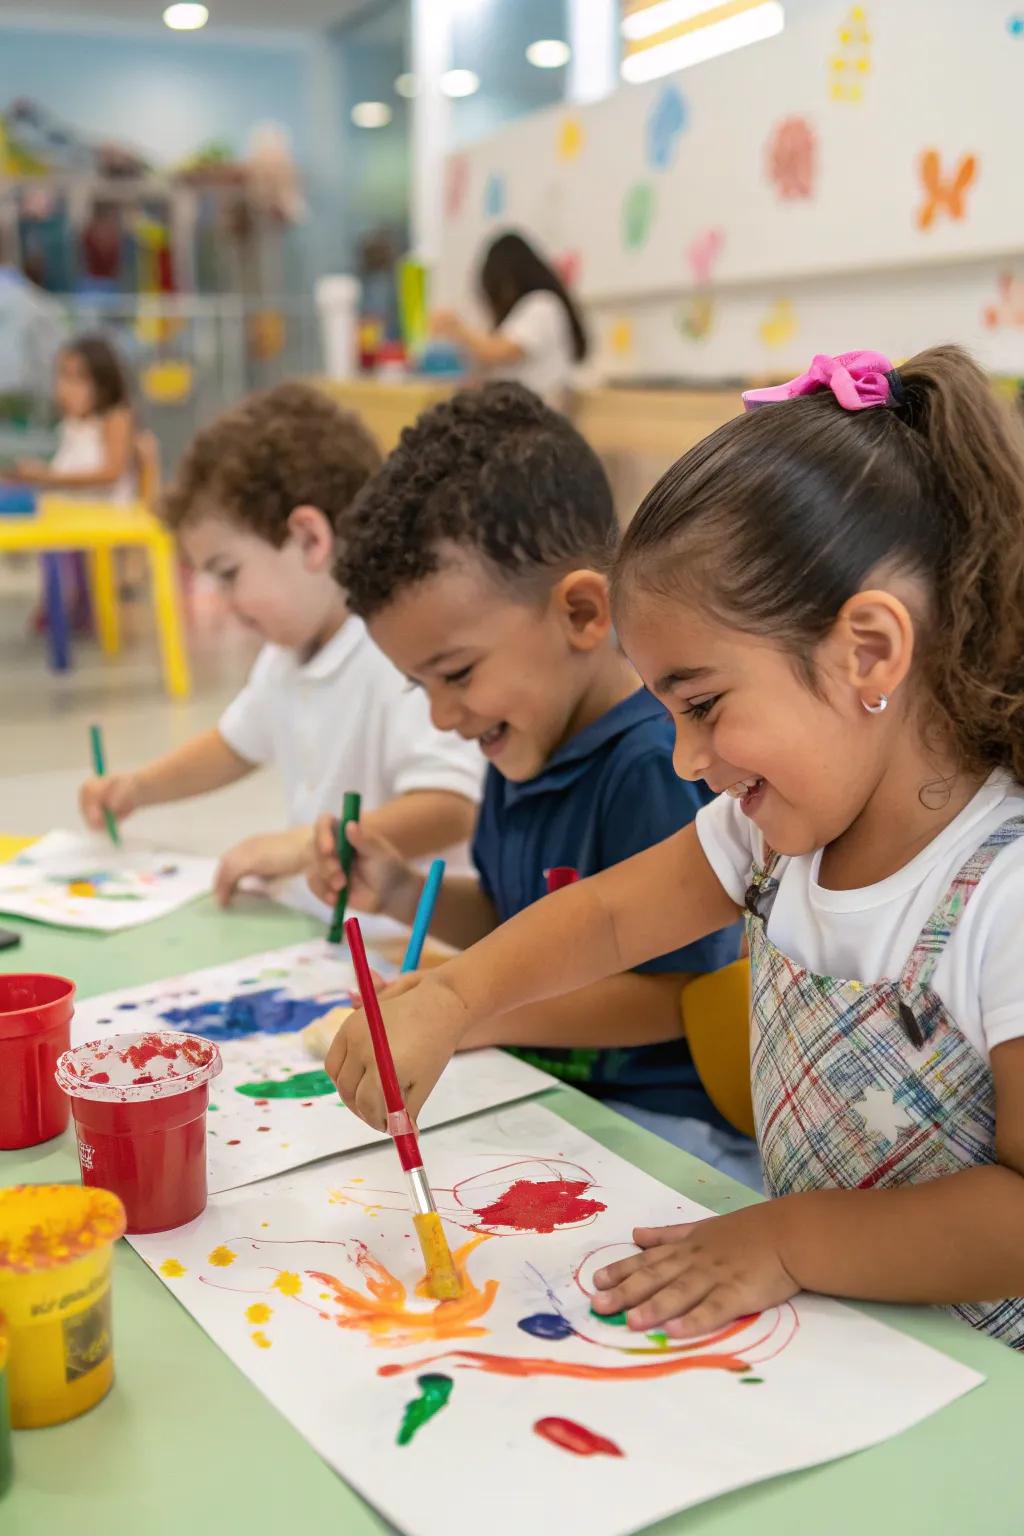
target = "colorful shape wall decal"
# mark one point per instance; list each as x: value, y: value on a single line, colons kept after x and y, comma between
x: 456, y: 185
x: 850, y: 65
x: 1008, y: 309
x: 570, y: 138
x: 702, y: 254
x: 791, y: 157
x: 494, y: 195
x: 620, y: 338
x: 779, y: 325
x: 695, y: 317
x: 666, y: 122
x: 637, y: 215
x: 945, y: 193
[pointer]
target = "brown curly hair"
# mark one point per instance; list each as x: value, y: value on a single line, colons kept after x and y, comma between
x: 493, y: 470
x: 285, y: 448
x: 776, y: 519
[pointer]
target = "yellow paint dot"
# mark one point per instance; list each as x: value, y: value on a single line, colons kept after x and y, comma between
x: 287, y: 1283
x: 260, y: 1339
x: 372, y: 1212
x: 259, y: 1312
x: 172, y: 1268
x: 325, y: 1295
x: 264, y: 1223
x: 357, y: 1181
x: 222, y: 1257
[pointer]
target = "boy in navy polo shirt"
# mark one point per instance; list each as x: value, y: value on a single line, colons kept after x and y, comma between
x: 476, y: 557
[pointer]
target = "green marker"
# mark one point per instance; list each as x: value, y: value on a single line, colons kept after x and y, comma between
x: 99, y: 767
x: 349, y: 812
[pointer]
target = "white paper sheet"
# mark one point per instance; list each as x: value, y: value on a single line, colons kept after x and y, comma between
x: 273, y: 1108
x: 308, y: 1283
x: 81, y: 880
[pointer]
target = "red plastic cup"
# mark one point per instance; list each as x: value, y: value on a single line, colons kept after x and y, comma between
x: 139, y: 1103
x: 35, y: 1027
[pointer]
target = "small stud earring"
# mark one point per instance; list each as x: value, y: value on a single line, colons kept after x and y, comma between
x: 880, y: 707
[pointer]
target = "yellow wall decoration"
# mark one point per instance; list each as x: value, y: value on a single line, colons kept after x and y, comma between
x: 620, y: 338
x: 850, y: 65
x: 780, y: 324
x: 570, y: 138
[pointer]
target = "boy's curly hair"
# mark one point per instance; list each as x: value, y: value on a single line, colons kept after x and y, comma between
x: 285, y: 448
x: 493, y: 470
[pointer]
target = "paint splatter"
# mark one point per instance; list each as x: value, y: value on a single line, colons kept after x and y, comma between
x: 570, y: 1436
x: 288, y: 1284
x: 173, y: 1269
x: 270, y: 1012
x: 540, y: 1205
x: 302, y: 1085
x: 259, y: 1312
x: 616, y: 1319
x: 435, y: 1390
x: 222, y: 1256
x: 260, y: 1339
x: 637, y: 215
x: 751, y: 1381
x: 235, y: 1142
x: 383, y: 1312
x: 546, y: 1325
x: 666, y: 122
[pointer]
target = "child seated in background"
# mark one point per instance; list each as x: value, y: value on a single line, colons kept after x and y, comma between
x: 477, y: 558
x: 256, y: 503
x: 96, y: 448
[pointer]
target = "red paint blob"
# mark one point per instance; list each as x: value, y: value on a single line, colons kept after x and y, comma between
x: 261, y: 1103
x: 263, y: 1127
x: 540, y: 1205
x: 99, y: 1077
x: 570, y: 1436
x: 235, y: 1143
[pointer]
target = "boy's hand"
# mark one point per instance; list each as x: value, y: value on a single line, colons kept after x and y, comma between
x: 270, y: 857
x: 119, y: 793
x: 696, y: 1277
x: 380, y: 881
x: 424, y: 1022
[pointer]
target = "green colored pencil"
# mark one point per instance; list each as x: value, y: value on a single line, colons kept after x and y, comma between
x: 350, y: 810
x: 96, y: 740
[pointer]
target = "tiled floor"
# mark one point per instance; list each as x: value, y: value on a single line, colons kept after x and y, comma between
x: 44, y: 751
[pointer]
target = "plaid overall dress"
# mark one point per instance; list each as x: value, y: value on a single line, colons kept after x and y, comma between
x: 865, y: 1086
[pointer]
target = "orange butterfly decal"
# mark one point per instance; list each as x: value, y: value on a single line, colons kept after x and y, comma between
x: 944, y: 194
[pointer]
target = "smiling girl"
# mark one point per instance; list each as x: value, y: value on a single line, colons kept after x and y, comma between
x: 828, y: 595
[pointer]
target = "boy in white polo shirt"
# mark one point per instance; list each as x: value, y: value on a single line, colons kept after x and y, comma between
x: 255, y: 505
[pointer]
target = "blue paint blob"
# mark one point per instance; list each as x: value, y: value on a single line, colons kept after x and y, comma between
x: 494, y: 195
x: 271, y: 1012
x: 667, y: 121
x: 127, y: 1007
x: 1015, y: 26
x: 546, y: 1325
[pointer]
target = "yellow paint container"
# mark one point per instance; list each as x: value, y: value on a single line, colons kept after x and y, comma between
x: 56, y: 1245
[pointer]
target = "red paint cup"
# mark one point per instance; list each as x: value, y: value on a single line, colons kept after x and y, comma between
x: 35, y: 1027
x: 139, y: 1103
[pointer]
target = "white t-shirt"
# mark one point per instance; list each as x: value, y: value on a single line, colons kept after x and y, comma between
x: 540, y: 325
x: 344, y: 720
x: 80, y: 451
x: 867, y: 935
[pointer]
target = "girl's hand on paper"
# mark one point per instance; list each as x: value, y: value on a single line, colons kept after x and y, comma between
x: 690, y: 1279
x: 424, y: 1021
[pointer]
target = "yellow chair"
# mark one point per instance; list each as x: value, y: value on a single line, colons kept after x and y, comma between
x: 101, y: 528
x: 716, y: 1018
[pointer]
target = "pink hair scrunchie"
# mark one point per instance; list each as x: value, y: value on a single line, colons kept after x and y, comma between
x: 858, y: 380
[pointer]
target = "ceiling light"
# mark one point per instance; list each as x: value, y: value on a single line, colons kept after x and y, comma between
x: 407, y: 85
x: 663, y: 14
x: 752, y: 26
x: 548, y: 53
x: 186, y: 16
x: 371, y: 114
x: 459, y: 82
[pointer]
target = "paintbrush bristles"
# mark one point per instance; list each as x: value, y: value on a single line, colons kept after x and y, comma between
x: 442, y: 1277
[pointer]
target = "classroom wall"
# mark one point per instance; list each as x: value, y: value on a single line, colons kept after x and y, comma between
x: 733, y: 218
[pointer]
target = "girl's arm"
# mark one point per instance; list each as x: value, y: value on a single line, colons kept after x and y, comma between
x: 423, y: 821
x: 118, y: 449
x: 664, y: 898
x: 637, y: 1008
x: 485, y: 347
x: 954, y: 1239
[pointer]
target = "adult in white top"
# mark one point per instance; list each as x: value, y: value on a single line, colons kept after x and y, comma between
x: 538, y: 336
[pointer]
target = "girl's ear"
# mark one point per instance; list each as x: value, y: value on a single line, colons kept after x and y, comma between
x: 582, y: 604
x: 311, y: 530
x: 876, y: 633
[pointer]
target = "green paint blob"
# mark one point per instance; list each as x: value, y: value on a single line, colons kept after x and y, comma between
x: 304, y: 1085
x: 435, y: 1390
x: 637, y: 215
x: 661, y: 1339
x: 751, y: 1381
x: 617, y: 1319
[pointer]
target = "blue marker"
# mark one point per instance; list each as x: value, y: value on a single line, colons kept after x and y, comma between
x: 424, y: 914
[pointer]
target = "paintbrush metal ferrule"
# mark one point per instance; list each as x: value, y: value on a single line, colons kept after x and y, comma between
x: 420, y: 1192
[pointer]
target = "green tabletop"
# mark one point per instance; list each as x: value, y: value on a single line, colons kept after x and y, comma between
x: 185, y: 1444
